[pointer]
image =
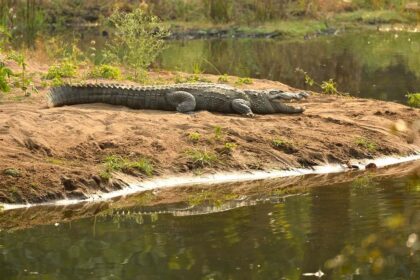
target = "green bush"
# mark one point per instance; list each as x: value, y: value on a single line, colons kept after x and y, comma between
x: 66, y: 69
x: 137, y: 40
x: 106, y: 71
x: 5, y: 74
x: 414, y: 100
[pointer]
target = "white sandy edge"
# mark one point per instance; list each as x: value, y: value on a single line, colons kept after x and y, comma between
x: 219, y: 178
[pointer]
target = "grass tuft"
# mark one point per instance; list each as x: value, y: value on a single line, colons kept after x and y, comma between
x: 367, y: 144
x: 202, y: 158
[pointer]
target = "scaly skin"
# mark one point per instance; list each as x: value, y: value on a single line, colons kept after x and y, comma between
x: 178, y: 97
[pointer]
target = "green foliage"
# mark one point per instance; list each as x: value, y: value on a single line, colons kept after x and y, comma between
x: 414, y: 100
x: 223, y: 79
x: 115, y: 163
x: 244, y: 81
x: 329, y: 87
x: 194, y: 136
x: 106, y: 71
x: 5, y: 73
x: 282, y: 144
x: 24, y: 81
x: 229, y: 147
x: 12, y: 172
x: 218, y: 133
x: 66, y: 69
x: 367, y: 144
x: 202, y: 158
x: 5, y: 37
x: 137, y: 41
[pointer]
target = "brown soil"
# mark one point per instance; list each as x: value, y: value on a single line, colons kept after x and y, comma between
x: 49, y: 154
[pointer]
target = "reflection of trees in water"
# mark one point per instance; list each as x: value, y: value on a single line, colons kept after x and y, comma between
x: 259, y: 242
x: 368, y: 66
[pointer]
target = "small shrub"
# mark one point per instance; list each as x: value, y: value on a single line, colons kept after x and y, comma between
x: 366, y: 144
x: 138, y: 39
x: 229, y: 147
x: 202, y: 158
x: 194, y: 136
x: 65, y: 69
x: 329, y: 87
x: 244, y: 81
x: 105, y: 175
x: 12, y: 172
x: 414, y: 100
x: 218, y: 133
x: 223, y: 79
x: 283, y: 145
x: 5, y: 74
x: 106, y: 71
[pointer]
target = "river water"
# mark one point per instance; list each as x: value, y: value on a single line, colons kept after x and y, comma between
x: 383, y: 66
x: 366, y: 229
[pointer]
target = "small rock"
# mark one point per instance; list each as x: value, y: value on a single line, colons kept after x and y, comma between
x: 371, y: 166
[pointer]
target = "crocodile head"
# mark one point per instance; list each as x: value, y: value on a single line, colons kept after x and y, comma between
x: 271, y: 101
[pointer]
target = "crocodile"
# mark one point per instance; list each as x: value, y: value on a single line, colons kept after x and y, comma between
x: 184, y: 98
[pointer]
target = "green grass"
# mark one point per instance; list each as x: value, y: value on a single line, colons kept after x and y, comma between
x: 281, y: 143
x: 116, y: 163
x: 12, y: 172
x: 229, y: 146
x: 218, y: 133
x: 414, y: 100
x: 367, y: 144
x: 202, y: 158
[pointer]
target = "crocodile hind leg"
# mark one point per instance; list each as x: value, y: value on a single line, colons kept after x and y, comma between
x: 242, y: 107
x: 183, y: 101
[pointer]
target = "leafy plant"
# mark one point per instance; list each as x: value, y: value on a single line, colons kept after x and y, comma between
x: 65, y: 69
x: 5, y: 73
x: 329, y: 87
x: 24, y: 82
x: 367, y: 144
x: 218, y: 133
x: 223, y: 79
x: 202, y: 158
x: 283, y: 145
x: 106, y: 71
x: 414, y: 100
x: 137, y: 41
x: 229, y: 147
x: 244, y: 81
x: 194, y: 136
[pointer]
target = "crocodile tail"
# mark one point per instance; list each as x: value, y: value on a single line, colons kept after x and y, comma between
x: 87, y: 93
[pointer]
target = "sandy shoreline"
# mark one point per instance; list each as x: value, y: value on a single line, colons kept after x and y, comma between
x: 219, y: 178
x: 59, y: 153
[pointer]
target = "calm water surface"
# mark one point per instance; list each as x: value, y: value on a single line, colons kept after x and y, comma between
x: 375, y: 65
x: 368, y: 229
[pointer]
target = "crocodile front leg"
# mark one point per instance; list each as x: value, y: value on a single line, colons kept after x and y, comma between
x: 183, y: 101
x: 242, y: 107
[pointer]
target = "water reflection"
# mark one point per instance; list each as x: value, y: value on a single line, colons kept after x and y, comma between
x: 384, y: 66
x: 365, y: 230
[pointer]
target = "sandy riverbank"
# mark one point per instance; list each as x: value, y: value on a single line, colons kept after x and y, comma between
x: 51, y: 154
